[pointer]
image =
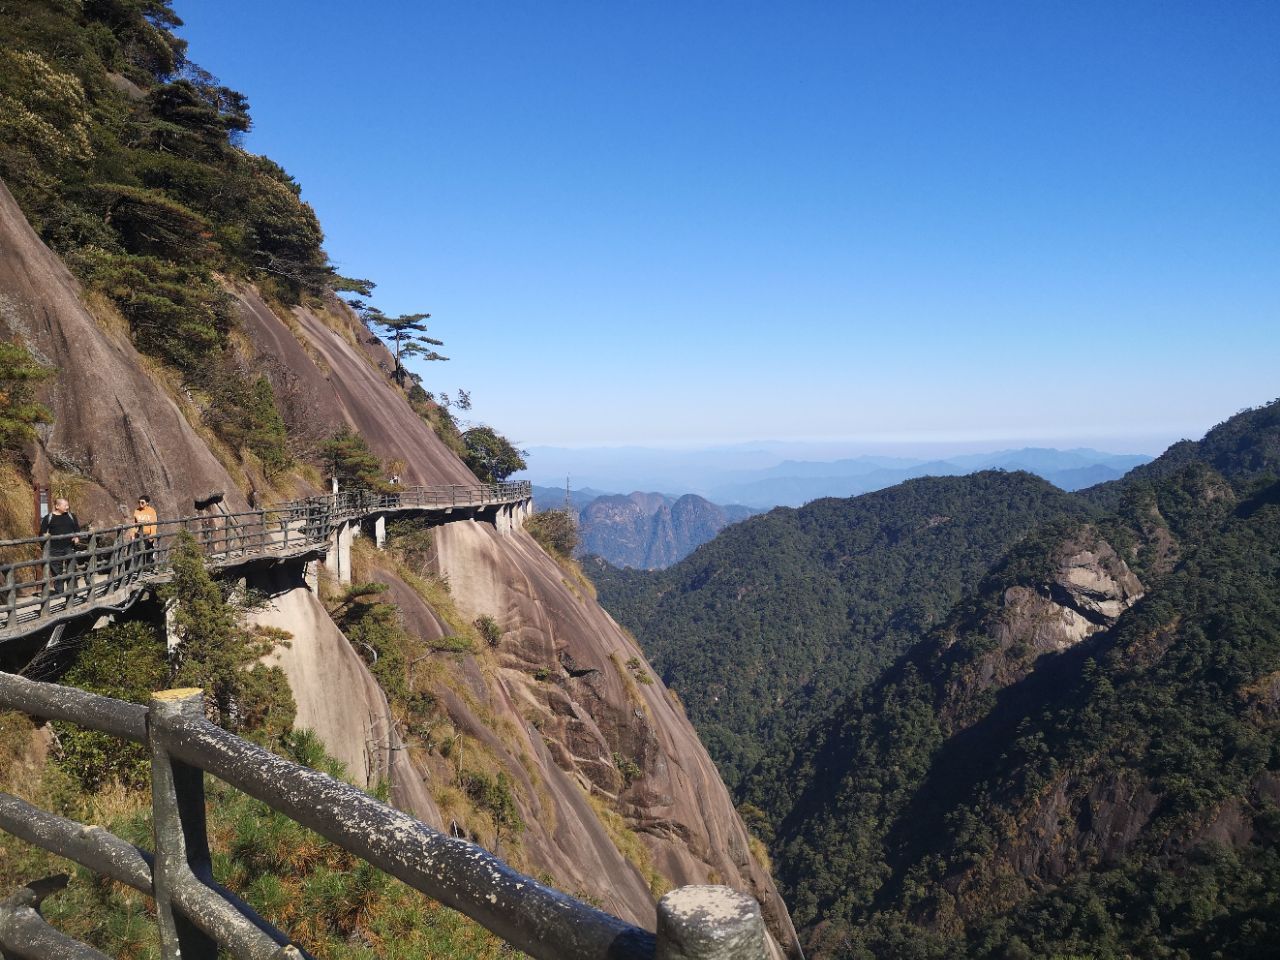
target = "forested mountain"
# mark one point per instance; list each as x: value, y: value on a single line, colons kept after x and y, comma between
x: 1074, y: 751
x: 784, y: 613
x: 1084, y: 758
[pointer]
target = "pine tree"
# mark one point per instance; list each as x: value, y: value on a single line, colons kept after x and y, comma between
x: 408, y: 334
x: 19, y: 410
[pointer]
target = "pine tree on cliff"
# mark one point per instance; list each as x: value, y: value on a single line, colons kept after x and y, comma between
x: 20, y: 412
x: 408, y: 333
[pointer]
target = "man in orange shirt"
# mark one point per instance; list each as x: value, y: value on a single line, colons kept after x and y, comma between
x: 144, y: 518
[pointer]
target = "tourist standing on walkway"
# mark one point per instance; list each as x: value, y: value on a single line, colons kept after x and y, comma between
x: 144, y: 519
x: 60, y: 524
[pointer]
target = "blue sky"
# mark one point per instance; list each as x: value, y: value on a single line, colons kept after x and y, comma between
x: 712, y: 222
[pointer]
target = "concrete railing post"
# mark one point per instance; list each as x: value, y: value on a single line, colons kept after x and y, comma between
x: 709, y: 923
x: 182, y: 843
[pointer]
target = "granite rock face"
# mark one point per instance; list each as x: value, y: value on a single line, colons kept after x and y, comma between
x: 116, y: 429
x: 1089, y: 587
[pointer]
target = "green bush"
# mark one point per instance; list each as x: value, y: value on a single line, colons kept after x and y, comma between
x: 19, y: 411
x: 556, y: 530
x: 243, y: 411
x: 217, y: 653
x: 128, y: 662
x: 490, y: 455
x: 347, y: 456
x: 629, y: 769
x: 176, y: 312
x: 374, y: 629
x: 489, y: 629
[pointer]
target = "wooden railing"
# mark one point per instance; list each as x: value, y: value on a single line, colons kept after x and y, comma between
x: 53, y: 578
x: 196, y: 916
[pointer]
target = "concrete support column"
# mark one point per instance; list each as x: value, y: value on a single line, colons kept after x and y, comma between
x: 311, y: 575
x: 380, y: 531
x: 338, y: 560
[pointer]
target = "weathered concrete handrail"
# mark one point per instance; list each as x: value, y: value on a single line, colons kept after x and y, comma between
x: 24, y: 933
x: 196, y: 916
x: 55, y: 578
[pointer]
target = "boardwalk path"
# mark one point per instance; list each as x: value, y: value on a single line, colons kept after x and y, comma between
x: 112, y: 568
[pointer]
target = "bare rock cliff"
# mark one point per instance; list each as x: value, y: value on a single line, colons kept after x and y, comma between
x: 1088, y: 588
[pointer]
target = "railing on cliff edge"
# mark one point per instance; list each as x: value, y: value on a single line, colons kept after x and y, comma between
x: 40, y: 585
x: 196, y: 916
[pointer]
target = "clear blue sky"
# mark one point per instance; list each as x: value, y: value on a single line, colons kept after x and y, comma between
x: 689, y: 222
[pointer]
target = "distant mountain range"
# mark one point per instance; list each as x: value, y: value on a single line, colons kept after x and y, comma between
x: 762, y: 479
x: 796, y: 482
x: 647, y: 531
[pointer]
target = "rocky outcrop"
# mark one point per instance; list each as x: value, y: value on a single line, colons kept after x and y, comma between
x: 651, y: 531
x: 336, y: 695
x: 1087, y: 589
x: 584, y: 685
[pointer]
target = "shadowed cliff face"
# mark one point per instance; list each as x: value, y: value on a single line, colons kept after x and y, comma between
x: 557, y: 703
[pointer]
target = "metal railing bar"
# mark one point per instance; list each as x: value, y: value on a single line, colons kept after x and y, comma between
x: 25, y: 934
x: 545, y: 923
x: 51, y: 701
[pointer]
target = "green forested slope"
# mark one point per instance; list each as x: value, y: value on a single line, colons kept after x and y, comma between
x: 784, y: 614
x: 125, y: 157
x: 1118, y: 798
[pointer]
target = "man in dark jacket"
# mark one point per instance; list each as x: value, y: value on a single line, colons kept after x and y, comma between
x: 61, y: 525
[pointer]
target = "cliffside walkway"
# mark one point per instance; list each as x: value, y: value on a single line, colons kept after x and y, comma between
x: 198, y: 918
x: 109, y: 571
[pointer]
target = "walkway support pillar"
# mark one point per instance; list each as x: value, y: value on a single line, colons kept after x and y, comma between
x: 380, y: 531
x: 171, y: 638
x: 338, y: 558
